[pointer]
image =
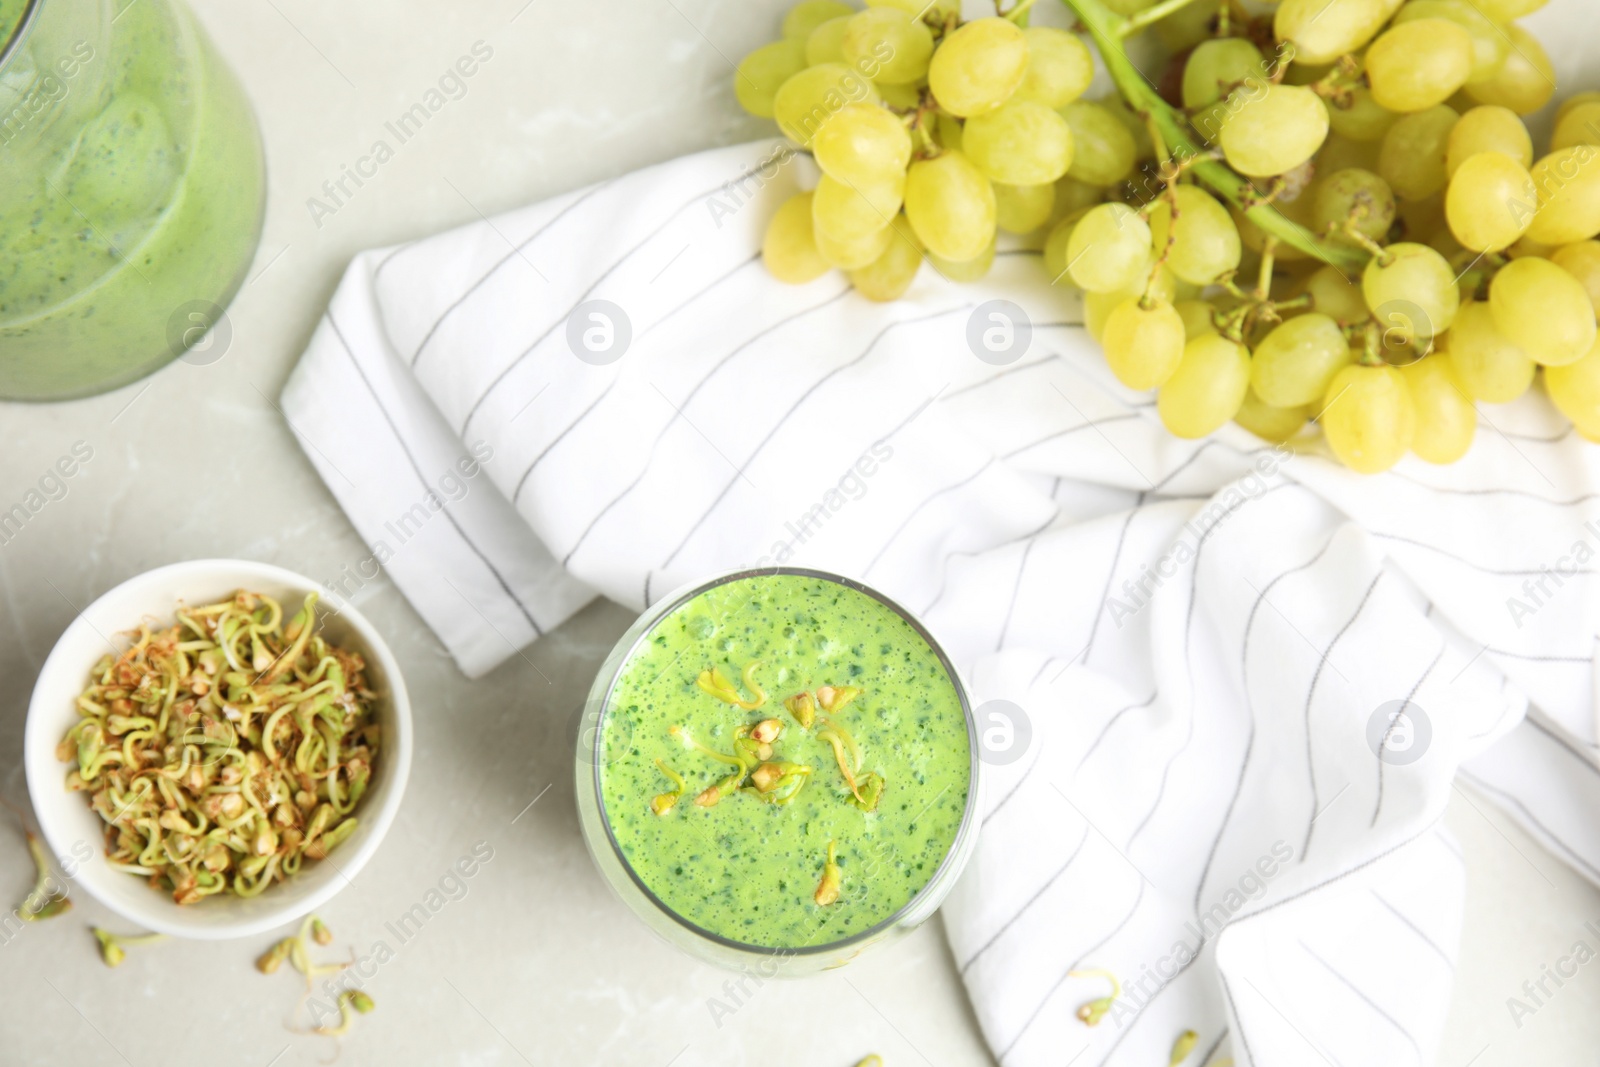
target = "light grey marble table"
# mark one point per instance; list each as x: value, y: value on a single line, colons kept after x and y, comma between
x: 536, y: 963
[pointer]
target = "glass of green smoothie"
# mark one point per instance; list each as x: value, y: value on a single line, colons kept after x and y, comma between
x: 778, y: 768
x: 133, y: 185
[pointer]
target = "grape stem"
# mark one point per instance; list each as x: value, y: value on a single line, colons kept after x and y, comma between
x: 1019, y: 11
x: 1106, y: 27
x: 1150, y: 15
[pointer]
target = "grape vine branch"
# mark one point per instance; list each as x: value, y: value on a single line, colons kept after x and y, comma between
x: 1107, y: 28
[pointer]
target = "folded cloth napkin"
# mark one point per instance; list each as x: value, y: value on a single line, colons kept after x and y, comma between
x: 1188, y: 655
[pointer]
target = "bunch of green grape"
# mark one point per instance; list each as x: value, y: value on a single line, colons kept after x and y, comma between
x: 1328, y: 215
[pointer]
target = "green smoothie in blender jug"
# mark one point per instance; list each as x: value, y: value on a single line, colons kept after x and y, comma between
x: 132, y: 181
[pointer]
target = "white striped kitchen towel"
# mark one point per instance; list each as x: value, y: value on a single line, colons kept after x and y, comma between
x: 606, y: 394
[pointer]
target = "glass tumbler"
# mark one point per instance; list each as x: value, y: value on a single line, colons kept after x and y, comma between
x: 626, y: 883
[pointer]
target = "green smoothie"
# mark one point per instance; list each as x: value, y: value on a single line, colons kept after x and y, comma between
x: 134, y: 194
x: 835, y: 727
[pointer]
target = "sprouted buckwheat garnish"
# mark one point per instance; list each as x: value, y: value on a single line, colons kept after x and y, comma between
x: 225, y: 750
x: 716, y: 683
x: 828, y: 888
x: 1182, y: 1047
x: 1095, y: 1010
x: 112, y: 947
x: 352, y: 1002
x: 803, y: 708
x: 41, y: 903
x: 665, y: 802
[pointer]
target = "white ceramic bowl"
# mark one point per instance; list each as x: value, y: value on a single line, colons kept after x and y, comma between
x: 74, y: 832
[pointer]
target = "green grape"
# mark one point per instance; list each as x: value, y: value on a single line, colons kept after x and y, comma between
x: 1582, y: 261
x: 763, y: 72
x: 1578, y: 125
x: 1575, y: 391
x: 901, y: 98
x: 1131, y: 121
x: 1208, y: 387
x: 1325, y: 30
x: 789, y: 248
x: 1023, y: 208
x: 949, y: 131
x: 951, y: 206
x: 1143, y: 344
x: 1412, y: 292
x: 826, y: 43
x: 1490, y: 203
x: 1216, y: 67
x: 1071, y: 195
x: 1355, y: 197
x: 1414, y: 151
x: 1020, y: 143
x: 1109, y: 249
x: 1276, y: 425
x: 889, y: 276
x: 863, y: 143
x: 888, y: 45
x: 1568, y: 182
x: 1489, y: 45
x: 1273, y: 130
x: 1487, y: 129
x: 1488, y: 366
x: 1097, y: 307
x: 1340, y: 153
x: 1293, y: 364
x: 966, y: 270
x: 1198, y: 317
x: 1188, y: 26
x: 1209, y: 120
x: 1446, y: 418
x: 851, y: 212
x: 812, y: 97
x: 1055, y: 247
x: 1419, y: 64
x: 1103, y: 149
x: 1335, y: 295
x: 1206, y: 244
x: 1543, y: 310
x: 979, y: 66
x: 1575, y: 100
x: 934, y: 10
x: 807, y: 15
x: 1506, y: 10
x: 855, y: 252
x: 1368, y: 418
x: 1363, y: 119
x: 1525, y: 82
x: 1060, y: 67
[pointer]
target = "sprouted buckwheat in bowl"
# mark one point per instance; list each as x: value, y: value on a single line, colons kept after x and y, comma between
x: 232, y: 745
x: 779, y: 766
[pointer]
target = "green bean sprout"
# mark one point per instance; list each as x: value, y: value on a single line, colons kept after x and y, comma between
x: 225, y: 750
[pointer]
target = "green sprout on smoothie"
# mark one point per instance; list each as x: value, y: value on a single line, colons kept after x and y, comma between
x: 1095, y: 1010
x: 864, y: 792
x: 828, y: 889
x: 1182, y: 1047
x: 716, y: 683
x: 665, y: 802
x: 780, y: 782
x: 803, y: 708
x: 834, y: 697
